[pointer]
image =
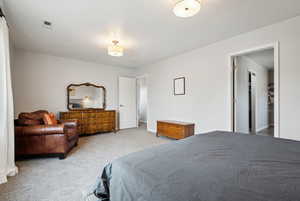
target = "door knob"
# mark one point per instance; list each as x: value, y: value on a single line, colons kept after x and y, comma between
x: 122, y: 105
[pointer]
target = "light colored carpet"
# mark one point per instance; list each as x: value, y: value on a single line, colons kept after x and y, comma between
x: 51, y: 179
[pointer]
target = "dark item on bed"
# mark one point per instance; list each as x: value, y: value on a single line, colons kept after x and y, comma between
x: 218, y: 166
x: 175, y: 129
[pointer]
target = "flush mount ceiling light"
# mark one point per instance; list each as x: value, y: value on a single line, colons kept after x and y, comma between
x: 115, y: 49
x: 187, y: 8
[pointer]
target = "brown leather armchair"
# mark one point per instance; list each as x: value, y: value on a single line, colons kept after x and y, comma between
x: 44, y: 140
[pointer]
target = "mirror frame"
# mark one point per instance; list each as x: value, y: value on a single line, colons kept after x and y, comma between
x: 86, y: 84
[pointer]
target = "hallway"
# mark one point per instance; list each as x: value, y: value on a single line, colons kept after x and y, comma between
x: 267, y: 132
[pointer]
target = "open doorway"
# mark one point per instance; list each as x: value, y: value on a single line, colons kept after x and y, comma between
x: 252, y: 102
x: 255, y: 80
x: 142, y: 101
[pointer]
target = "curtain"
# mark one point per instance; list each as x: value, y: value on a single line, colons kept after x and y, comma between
x: 7, y: 155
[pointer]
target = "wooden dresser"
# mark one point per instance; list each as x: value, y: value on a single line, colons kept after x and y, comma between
x: 175, y: 129
x: 92, y: 121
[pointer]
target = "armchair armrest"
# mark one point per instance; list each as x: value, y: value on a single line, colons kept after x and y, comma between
x: 39, y: 130
x: 69, y: 123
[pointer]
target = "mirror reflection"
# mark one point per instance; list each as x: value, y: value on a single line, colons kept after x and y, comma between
x: 86, y: 97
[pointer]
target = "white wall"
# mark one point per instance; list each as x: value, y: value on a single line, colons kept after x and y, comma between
x: 244, y: 65
x: 142, y: 99
x: 40, y: 81
x: 207, y: 99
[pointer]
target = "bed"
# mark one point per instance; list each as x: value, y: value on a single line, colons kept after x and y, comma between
x: 217, y: 166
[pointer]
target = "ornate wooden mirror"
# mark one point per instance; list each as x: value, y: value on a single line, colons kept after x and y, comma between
x: 86, y: 96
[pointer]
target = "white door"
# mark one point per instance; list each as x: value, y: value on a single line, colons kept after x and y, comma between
x: 127, y: 102
x: 241, y: 111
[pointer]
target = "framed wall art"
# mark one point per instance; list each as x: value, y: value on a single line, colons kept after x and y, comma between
x: 179, y: 86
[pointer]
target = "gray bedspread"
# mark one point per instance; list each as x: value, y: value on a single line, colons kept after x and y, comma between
x: 217, y: 166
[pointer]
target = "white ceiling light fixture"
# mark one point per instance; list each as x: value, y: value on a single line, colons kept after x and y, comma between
x: 187, y: 8
x: 115, y: 49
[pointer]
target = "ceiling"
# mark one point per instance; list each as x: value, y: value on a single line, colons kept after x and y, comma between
x: 148, y: 29
x: 264, y: 58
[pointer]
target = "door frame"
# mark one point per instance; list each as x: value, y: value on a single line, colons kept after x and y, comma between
x: 118, y: 112
x: 231, y: 61
x: 137, y: 106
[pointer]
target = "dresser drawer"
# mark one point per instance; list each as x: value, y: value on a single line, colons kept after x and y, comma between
x: 70, y: 115
x: 92, y: 121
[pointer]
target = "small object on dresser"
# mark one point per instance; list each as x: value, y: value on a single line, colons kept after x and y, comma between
x: 175, y: 129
